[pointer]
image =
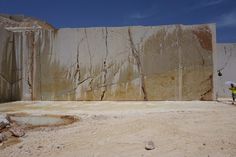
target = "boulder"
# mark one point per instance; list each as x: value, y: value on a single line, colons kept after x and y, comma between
x: 2, y: 137
x: 150, y: 145
x: 17, y: 131
x: 3, y: 121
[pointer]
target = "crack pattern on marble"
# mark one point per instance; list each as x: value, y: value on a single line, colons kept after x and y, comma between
x: 111, y: 63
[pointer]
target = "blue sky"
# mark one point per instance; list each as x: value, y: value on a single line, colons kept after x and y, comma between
x: 89, y: 13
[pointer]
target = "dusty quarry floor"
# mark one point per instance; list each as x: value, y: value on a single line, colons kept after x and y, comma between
x: 121, y: 129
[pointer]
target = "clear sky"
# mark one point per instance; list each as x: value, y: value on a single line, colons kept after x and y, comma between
x: 89, y: 13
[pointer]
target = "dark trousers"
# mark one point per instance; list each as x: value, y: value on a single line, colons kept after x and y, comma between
x: 233, y: 96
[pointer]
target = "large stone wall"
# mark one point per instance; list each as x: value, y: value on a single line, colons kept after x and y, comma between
x: 10, y: 71
x: 117, y: 63
x: 226, y: 64
x: 5, y: 65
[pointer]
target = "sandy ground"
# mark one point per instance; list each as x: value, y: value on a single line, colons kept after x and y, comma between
x: 121, y: 129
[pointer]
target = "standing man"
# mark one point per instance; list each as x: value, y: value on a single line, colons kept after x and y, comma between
x: 233, y: 90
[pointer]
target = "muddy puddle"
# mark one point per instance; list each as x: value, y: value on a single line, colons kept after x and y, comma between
x: 28, y: 122
x: 34, y: 121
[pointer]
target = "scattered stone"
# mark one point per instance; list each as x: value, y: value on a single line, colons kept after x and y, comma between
x: 39, y: 147
x: 3, y: 121
x: 17, y: 131
x: 20, y: 147
x: 99, y: 117
x: 8, y: 126
x: 222, y: 148
x: 150, y: 145
x: 2, y: 138
x: 204, y: 144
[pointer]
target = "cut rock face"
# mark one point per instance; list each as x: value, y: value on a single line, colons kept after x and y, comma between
x: 107, y: 63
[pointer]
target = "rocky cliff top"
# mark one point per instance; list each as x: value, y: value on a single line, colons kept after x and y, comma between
x: 22, y: 21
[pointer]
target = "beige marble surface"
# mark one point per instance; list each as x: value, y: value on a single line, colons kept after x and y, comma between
x: 172, y: 62
x: 9, y: 68
x: 226, y: 64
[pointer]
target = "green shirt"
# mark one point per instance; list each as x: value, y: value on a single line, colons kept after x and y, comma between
x: 233, y: 89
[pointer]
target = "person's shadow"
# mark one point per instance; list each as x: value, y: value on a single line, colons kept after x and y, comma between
x: 227, y: 102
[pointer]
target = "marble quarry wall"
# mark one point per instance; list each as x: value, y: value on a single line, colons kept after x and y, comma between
x: 172, y: 62
x: 10, y: 69
x: 5, y: 65
x: 226, y: 64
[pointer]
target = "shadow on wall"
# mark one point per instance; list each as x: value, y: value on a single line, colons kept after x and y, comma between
x: 10, y: 74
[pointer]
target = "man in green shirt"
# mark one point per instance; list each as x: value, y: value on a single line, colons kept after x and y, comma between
x: 233, y: 90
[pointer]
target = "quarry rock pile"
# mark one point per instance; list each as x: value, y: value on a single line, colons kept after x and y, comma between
x: 8, y: 128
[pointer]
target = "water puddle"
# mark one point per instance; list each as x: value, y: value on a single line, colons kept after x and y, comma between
x: 28, y: 122
x: 33, y: 121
